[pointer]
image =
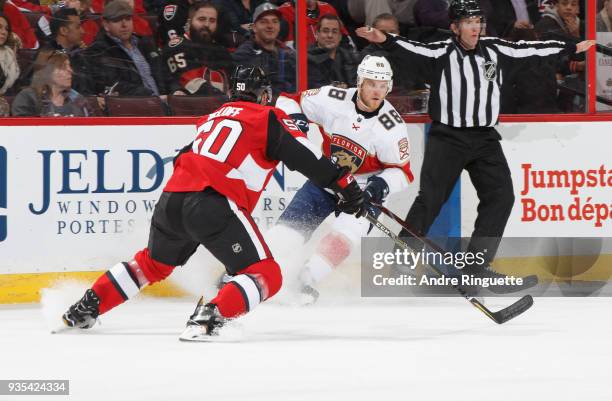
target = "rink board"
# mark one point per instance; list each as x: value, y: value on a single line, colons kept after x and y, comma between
x: 75, y: 200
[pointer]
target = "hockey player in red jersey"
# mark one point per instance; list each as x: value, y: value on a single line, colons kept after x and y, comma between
x: 216, y: 183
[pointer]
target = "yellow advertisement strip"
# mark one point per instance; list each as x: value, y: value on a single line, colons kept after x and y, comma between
x: 26, y: 288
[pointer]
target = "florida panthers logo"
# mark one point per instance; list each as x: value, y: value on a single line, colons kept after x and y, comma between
x: 347, y: 153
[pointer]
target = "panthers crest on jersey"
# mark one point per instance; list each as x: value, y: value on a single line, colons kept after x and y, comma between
x: 367, y: 143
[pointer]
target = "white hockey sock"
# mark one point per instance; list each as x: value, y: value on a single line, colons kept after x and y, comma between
x: 315, y: 270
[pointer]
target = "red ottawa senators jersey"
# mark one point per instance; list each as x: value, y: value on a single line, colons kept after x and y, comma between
x: 230, y: 152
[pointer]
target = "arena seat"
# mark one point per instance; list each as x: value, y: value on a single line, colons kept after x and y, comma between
x: 25, y: 58
x: 194, y: 105
x: 141, y: 106
x: 94, y: 107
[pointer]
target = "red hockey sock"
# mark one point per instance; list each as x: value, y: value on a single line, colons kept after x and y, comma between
x: 126, y: 279
x: 248, y: 288
x: 109, y: 292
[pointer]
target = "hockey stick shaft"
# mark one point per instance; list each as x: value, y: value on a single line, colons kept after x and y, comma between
x: 498, y: 317
x: 374, y: 221
x: 408, y: 229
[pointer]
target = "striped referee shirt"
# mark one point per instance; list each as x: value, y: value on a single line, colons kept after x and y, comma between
x: 465, y: 84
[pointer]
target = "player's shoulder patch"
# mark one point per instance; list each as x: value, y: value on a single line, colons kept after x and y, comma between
x: 170, y: 11
x: 175, y: 41
x: 404, y: 148
x: 311, y: 92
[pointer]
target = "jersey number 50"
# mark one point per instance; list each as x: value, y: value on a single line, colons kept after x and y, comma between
x: 219, y: 144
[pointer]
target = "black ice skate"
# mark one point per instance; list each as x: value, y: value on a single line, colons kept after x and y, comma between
x: 84, y: 313
x: 204, y: 323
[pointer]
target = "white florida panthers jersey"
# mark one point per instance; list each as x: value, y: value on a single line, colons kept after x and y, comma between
x: 367, y: 143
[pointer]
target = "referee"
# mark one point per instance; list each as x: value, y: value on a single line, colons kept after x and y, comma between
x: 465, y: 74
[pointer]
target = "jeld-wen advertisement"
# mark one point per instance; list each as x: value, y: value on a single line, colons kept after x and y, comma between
x: 81, y: 198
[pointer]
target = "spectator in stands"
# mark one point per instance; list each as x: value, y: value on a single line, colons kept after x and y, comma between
x: 561, y: 21
x: 67, y: 36
x: 9, y: 68
x: 266, y: 51
x: 240, y: 14
x: 196, y: 64
x: 603, y: 21
x: 314, y: 11
x: 172, y: 20
x: 432, y: 13
x: 25, y: 38
x: 41, y: 26
x: 51, y: 92
x: 511, y: 14
x: 403, y: 80
x: 89, y: 23
x: 140, y: 25
x: 328, y: 63
x: 531, y: 87
x: 365, y: 11
x: 66, y: 31
x: 121, y: 63
x: 32, y: 7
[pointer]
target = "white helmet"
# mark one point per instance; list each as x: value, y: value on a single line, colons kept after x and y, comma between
x: 377, y: 68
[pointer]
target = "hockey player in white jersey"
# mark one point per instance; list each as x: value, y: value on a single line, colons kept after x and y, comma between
x: 362, y: 132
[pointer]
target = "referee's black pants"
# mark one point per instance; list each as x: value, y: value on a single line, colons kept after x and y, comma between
x: 448, y: 152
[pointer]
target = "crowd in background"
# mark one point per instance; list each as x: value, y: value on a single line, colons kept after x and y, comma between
x: 70, y: 58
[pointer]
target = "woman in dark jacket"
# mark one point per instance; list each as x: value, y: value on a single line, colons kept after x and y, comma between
x: 51, y: 92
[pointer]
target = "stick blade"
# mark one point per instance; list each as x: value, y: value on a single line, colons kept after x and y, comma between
x: 508, y: 313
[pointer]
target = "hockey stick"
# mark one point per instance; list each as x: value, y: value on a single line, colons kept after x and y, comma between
x: 498, y: 317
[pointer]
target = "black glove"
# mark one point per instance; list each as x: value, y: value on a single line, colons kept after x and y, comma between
x: 301, y: 121
x: 350, y: 196
x: 376, y: 190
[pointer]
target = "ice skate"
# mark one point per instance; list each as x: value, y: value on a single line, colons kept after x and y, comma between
x: 310, y: 295
x: 83, y: 314
x: 203, y: 324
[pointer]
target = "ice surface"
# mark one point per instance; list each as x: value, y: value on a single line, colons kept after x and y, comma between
x: 406, y: 349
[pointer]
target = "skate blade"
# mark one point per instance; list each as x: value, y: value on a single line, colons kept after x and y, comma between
x: 61, y: 329
x: 231, y: 332
x: 197, y: 334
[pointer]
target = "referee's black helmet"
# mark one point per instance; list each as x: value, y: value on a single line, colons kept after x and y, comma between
x: 460, y: 9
